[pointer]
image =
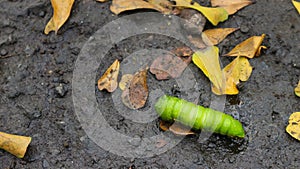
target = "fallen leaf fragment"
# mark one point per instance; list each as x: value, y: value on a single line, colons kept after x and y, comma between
x: 180, y: 129
x: 61, y: 12
x: 168, y: 66
x: 208, y: 61
x: 217, y: 35
x: 238, y: 70
x: 249, y: 48
x: 125, y: 81
x: 176, y: 128
x: 214, y: 15
x: 136, y: 94
x: 293, y: 127
x: 101, y: 0
x: 14, y: 144
x: 297, y: 89
x: 297, y: 5
x: 109, y: 79
x: 231, y: 6
x: 119, y: 6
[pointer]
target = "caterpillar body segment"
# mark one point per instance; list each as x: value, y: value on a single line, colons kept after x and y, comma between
x: 198, y: 117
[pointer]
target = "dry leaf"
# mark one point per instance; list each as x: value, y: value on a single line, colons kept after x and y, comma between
x: 208, y: 61
x: 238, y: 70
x: 135, y: 96
x: 119, y: 6
x: 168, y: 66
x: 176, y: 128
x: 297, y: 89
x: 14, y: 144
x: 180, y: 129
x: 214, y: 15
x: 101, y: 0
x: 297, y: 5
x: 125, y: 81
x: 109, y: 79
x: 249, y: 48
x: 217, y: 35
x: 61, y: 12
x: 164, y: 126
x: 231, y: 6
x: 294, y: 125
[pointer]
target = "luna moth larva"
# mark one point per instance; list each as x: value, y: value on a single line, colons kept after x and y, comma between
x: 197, y: 117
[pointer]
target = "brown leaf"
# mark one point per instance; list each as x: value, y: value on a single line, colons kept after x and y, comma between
x: 119, y: 6
x: 14, y: 144
x: 109, y: 79
x: 61, y: 12
x: 125, y: 81
x: 231, y: 6
x: 135, y: 96
x: 164, y: 126
x: 168, y: 66
x: 180, y: 129
x: 217, y: 35
x: 249, y: 48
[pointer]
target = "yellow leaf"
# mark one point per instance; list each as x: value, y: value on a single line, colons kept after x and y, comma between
x: 109, y: 79
x: 297, y: 5
x: 231, y: 6
x: 101, y: 0
x: 14, y: 144
x: 294, y: 125
x: 119, y: 6
x: 214, y: 15
x: 217, y: 35
x: 208, y: 61
x: 249, y: 48
x: 61, y: 12
x: 297, y: 89
x: 238, y: 70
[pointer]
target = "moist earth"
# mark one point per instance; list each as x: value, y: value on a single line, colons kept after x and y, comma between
x: 36, y: 90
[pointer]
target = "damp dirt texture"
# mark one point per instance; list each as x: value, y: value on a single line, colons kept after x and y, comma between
x: 36, y: 73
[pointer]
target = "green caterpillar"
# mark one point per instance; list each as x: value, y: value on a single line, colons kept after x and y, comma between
x: 172, y: 108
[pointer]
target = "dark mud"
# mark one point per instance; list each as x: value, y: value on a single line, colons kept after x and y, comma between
x: 36, y: 91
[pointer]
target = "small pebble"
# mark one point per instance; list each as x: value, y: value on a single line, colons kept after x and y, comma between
x: 45, y: 164
x: 42, y: 14
x: 3, y: 52
x: 244, y: 29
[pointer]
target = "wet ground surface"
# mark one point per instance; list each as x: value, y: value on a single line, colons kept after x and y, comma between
x: 36, y: 91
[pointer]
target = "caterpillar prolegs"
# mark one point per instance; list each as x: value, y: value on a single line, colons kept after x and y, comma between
x: 197, y: 117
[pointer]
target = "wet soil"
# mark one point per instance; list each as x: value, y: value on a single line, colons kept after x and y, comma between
x: 36, y: 90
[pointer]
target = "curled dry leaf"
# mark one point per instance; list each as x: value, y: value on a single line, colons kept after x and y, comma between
x: 293, y: 127
x: 297, y: 5
x: 249, y: 48
x: 238, y: 70
x: 217, y: 35
x: 297, y: 89
x: 125, y: 81
x: 14, y: 144
x: 168, y: 66
x: 119, y: 6
x: 61, y: 12
x: 231, y: 6
x: 136, y: 94
x: 214, y: 15
x: 208, y: 61
x: 109, y: 79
